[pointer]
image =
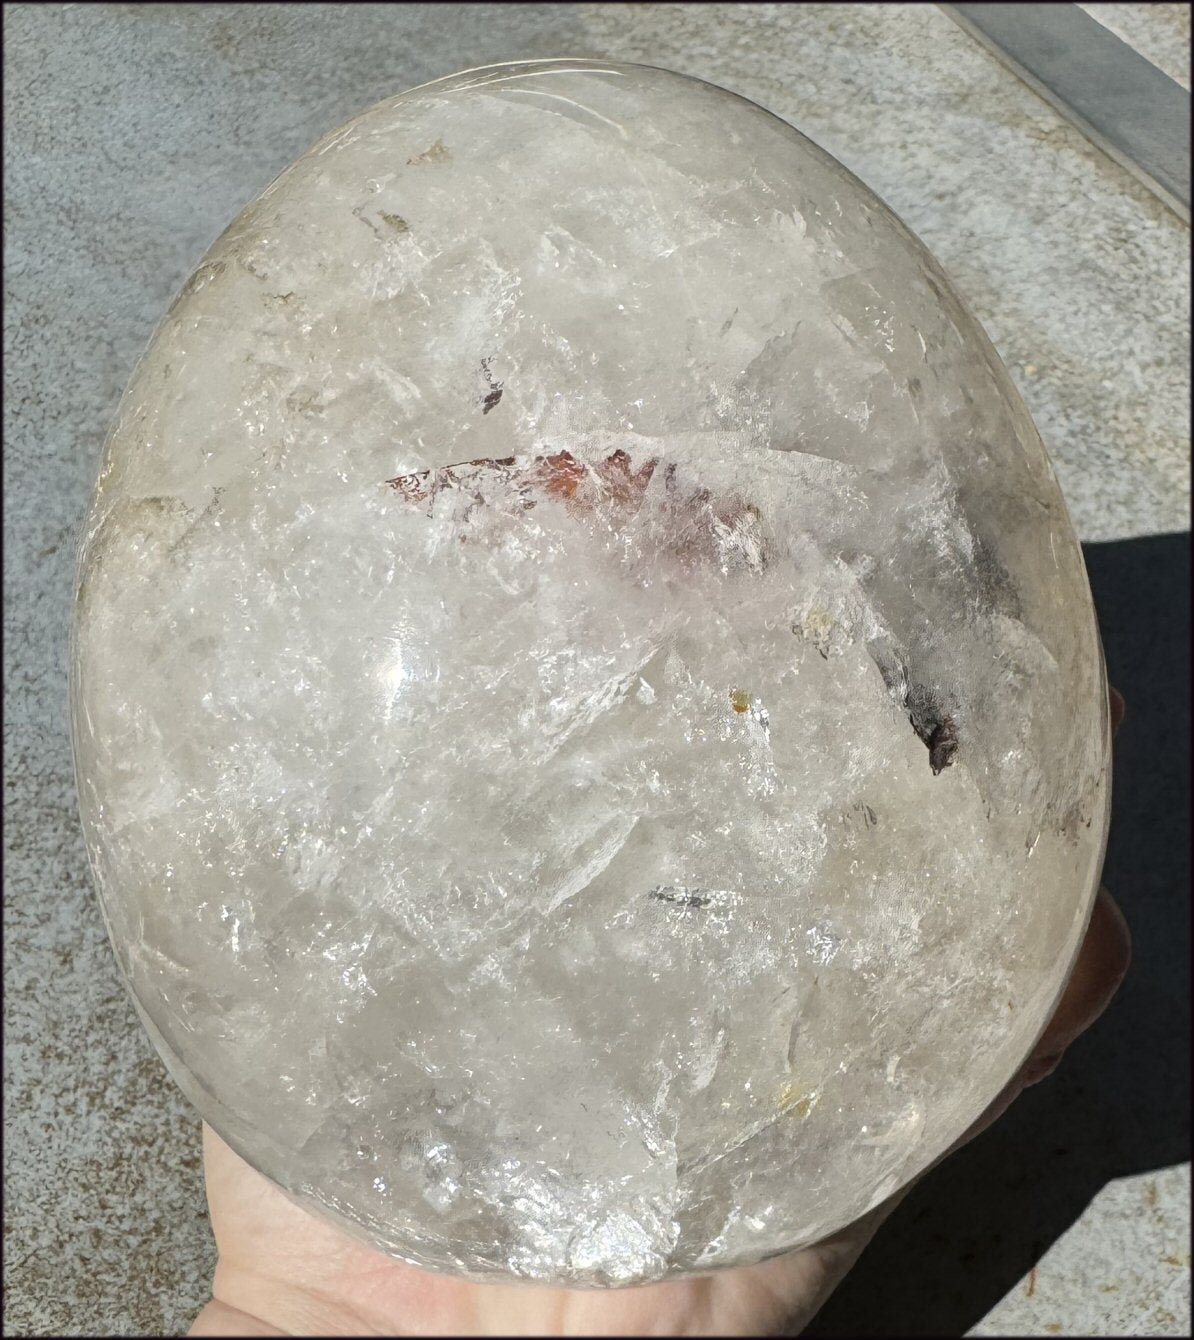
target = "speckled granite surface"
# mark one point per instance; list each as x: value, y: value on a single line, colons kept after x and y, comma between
x: 133, y: 134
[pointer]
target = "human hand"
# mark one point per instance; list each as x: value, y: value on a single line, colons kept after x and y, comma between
x: 283, y: 1272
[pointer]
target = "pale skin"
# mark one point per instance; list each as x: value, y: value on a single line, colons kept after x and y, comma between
x: 283, y: 1272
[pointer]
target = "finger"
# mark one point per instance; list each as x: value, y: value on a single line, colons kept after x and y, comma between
x: 1100, y: 967
x: 1102, y: 963
x: 1118, y: 708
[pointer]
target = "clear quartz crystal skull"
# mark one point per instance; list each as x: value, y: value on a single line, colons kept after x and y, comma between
x: 589, y: 720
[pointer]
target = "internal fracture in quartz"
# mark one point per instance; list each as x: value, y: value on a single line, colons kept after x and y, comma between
x: 589, y: 719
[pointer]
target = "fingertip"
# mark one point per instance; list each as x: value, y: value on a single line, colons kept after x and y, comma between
x: 1119, y: 708
x: 1102, y: 964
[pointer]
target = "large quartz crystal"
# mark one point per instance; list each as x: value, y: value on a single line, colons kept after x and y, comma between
x: 589, y: 720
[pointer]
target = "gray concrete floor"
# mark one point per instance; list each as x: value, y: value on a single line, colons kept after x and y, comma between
x: 134, y: 133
